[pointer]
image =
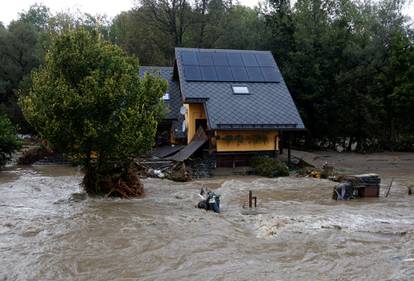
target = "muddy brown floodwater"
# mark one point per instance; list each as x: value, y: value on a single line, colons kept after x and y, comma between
x: 47, y: 232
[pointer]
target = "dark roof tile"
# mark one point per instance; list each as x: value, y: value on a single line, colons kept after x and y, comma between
x: 268, y: 104
x: 174, y: 104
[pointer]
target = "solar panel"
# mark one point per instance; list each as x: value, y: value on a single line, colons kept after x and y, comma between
x: 208, y: 73
x: 249, y: 59
x: 271, y: 74
x: 219, y: 58
x: 224, y: 73
x: 229, y: 66
x: 255, y: 75
x: 204, y: 58
x: 189, y: 58
x: 192, y: 73
x: 265, y: 59
x: 234, y: 59
x: 239, y: 74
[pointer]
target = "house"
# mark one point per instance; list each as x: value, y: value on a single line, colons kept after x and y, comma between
x: 238, y: 97
x: 170, y: 128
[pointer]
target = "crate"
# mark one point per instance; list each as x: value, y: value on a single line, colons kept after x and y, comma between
x: 369, y: 191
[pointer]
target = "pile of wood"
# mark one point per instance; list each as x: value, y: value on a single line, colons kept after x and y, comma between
x: 169, y: 161
x: 34, y: 154
x: 159, y: 168
x: 112, y: 181
x: 127, y: 187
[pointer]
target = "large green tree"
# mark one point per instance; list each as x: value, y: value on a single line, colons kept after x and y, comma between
x: 89, y: 101
x: 347, y: 63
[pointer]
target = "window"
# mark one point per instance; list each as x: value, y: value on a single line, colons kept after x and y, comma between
x: 166, y: 96
x: 241, y: 90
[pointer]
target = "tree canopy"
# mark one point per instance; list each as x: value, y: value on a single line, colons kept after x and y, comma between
x: 88, y: 98
x: 348, y: 64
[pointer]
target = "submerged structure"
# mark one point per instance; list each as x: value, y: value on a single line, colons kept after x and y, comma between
x: 358, y: 186
x: 230, y: 104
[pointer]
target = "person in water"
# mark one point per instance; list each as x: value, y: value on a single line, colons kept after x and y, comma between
x: 209, y: 201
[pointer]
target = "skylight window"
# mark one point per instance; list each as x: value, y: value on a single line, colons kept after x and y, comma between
x: 166, y: 96
x: 240, y: 90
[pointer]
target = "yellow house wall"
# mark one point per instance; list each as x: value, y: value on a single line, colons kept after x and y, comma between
x: 194, y: 111
x: 233, y: 146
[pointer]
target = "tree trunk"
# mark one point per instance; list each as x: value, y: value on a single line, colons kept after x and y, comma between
x: 110, y: 180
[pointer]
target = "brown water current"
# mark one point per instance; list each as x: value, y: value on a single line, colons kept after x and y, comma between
x: 47, y: 232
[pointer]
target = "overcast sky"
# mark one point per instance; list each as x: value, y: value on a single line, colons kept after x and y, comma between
x: 110, y: 8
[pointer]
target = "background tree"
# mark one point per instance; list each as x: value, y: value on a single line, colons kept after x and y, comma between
x: 172, y: 17
x: 88, y: 99
x: 343, y: 61
x: 347, y: 63
x: 9, y: 142
x: 243, y: 28
x: 131, y: 31
x: 23, y: 44
x: 21, y: 50
x: 281, y: 27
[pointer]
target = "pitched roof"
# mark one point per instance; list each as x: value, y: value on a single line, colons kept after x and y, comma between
x: 175, y: 102
x: 268, y: 105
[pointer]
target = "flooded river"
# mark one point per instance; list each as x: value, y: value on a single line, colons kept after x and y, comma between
x: 47, y: 232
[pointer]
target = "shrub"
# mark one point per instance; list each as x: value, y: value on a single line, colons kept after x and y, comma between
x: 269, y: 167
x: 9, y: 142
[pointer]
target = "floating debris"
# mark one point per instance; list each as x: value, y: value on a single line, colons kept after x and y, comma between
x: 356, y: 186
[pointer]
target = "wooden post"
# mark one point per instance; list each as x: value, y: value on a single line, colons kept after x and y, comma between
x: 250, y: 198
x: 389, y: 188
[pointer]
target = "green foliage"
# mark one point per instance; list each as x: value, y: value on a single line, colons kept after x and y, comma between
x: 243, y: 28
x: 23, y: 45
x: 131, y: 31
x: 259, y: 138
x: 269, y: 167
x: 37, y: 15
x: 239, y: 139
x: 89, y: 96
x: 154, y: 28
x: 9, y: 142
x: 347, y: 63
x: 20, y: 52
x: 228, y: 138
